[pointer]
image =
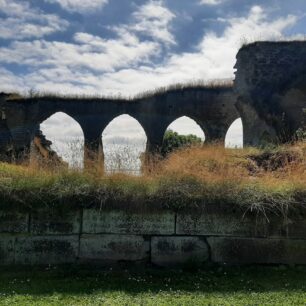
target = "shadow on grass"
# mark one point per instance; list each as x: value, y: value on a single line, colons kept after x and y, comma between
x: 86, y: 280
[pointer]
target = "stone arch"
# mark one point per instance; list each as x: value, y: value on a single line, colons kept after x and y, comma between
x: 234, y: 134
x: 67, y: 137
x: 185, y: 125
x: 124, y: 143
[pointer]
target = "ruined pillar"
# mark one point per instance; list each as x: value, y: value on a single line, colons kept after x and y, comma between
x: 92, y: 127
x: 214, y: 131
x: 215, y: 136
x: 22, y: 137
x: 152, y: 154
x: 256, y: 132
x: 5, y: 138
x: 93, y: 153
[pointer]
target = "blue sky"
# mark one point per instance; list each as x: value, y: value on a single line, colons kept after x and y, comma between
x: 111, y: 46
x: 123, y: 46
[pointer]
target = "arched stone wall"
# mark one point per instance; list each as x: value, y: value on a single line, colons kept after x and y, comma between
x: 212, y: 108
x: 268, y: 94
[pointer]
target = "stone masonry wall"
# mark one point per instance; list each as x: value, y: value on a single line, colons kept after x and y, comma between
x: 270, y: 84
x: 269, y: 66
x: 92, y: 236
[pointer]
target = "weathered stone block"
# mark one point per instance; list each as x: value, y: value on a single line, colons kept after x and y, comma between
x: 44, y: 250
x: 173, y: 250
x: 225, y: 223
x: 257, y: 250
x: 111, y: 248
x: 294, y: 227
x: 7, y: 248
x: 52, y: 222
x: 13, y: 222
x: 121, y: 222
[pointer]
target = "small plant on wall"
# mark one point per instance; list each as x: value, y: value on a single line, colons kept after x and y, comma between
x: 301, y: 132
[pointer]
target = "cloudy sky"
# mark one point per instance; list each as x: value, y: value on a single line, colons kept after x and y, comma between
x: 128, y: 46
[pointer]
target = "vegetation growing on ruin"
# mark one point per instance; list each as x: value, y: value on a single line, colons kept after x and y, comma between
x: 262, y: 180
x: 191, y: 85
x: 301, y: 132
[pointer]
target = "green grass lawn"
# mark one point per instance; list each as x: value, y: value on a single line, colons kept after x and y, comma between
x: 118, y: 286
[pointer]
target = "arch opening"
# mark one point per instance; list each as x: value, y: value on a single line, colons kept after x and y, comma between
x: 234, y: 135
x: 67, y: 138
x: 124, y: 144
x: 183, y: 126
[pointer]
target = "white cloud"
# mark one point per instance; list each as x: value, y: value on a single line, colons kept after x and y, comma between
x: 211, y: 2
x: 89, y: 52
x: 58, y: 65
x: 22, y: 21
x: 80, y: 6
x: 153, y: 19
x: 96, y: 65
x: 10, y: 82
x: 214, y: 57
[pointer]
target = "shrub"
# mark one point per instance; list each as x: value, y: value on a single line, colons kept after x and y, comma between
x: 173, y: 141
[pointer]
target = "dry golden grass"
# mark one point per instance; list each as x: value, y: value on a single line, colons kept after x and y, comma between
x: 213, y: 163
x: 250, y: 177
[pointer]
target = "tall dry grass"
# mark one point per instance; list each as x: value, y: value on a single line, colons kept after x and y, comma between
x: 211, y: 163
x: 214, y: 163
x: 271, y: 179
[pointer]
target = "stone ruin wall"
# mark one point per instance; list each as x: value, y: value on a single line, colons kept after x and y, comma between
x: 269, y: 94
x: 271, y: 86
x: 220, y: 235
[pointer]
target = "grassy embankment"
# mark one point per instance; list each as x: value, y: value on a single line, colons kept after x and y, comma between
x: 119, y: 286
x: 269, y: 180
